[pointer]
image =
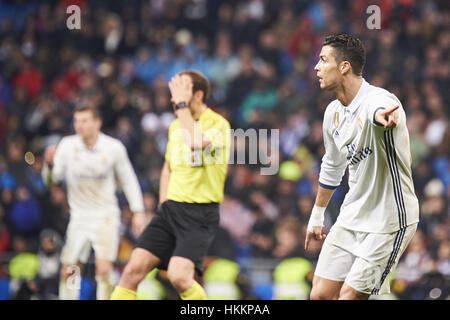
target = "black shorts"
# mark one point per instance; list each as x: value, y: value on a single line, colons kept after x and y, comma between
x: 181, y: 229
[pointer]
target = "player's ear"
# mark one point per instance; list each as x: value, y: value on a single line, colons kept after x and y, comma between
x: 100, y: 123
x: 198, y: 95
x: 344, y: 67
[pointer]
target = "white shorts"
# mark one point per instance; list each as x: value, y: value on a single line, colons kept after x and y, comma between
x: 101, y: 235
x: 364, y: 261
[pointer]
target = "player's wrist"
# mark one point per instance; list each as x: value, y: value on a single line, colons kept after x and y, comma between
x: 180, y: 100
x: 181, y: 107
x: 317, y: 217
x: 378, y: 117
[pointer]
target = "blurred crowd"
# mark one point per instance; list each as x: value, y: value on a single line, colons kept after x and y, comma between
x: 259, y: 56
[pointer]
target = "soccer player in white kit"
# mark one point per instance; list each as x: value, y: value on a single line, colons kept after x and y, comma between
x: 365, y: 130
x: 89, y: 162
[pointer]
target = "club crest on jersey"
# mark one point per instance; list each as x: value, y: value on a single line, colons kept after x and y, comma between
x: 360, y: 122
x: 336, y: 120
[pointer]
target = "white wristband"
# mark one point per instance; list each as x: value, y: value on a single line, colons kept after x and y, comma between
x: 317, y: 217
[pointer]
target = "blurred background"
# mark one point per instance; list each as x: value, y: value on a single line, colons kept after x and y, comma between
x: 259, y: 56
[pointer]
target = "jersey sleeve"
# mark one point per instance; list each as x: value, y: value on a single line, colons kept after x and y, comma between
x: 128, y: 179
x: 334, y: 162
x: 380, y: 101
x: 57, y: 172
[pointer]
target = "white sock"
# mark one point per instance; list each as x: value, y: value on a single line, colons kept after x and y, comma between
x: 68, y: 293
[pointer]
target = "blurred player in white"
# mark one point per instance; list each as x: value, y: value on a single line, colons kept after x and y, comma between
x: 364, y: 129
x: 90, y: 162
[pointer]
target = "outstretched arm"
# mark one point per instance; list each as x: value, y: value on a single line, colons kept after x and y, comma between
x: 387, y: 118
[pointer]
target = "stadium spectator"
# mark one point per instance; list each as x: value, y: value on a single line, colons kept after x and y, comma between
x: 47, y: 278
x: 25, y: 214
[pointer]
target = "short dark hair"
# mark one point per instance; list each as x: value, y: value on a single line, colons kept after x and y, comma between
x: 83, y: 107
x: 348, y: 48
x: 200, y: 82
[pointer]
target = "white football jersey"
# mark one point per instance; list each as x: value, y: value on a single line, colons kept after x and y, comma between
x: 90, y: 176
x: 381, y: 196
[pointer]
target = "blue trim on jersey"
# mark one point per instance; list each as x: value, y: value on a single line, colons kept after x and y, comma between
x: 376, y: 123
x: 327, y: 186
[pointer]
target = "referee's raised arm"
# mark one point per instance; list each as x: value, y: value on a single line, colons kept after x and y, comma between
x: 181, y: 89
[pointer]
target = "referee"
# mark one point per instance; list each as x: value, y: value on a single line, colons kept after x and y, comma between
x: 191, y: 188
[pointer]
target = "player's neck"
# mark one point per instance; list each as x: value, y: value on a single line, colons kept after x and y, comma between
x: 348, y: 89
x: 91, y: 141
x: 197, y: 110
